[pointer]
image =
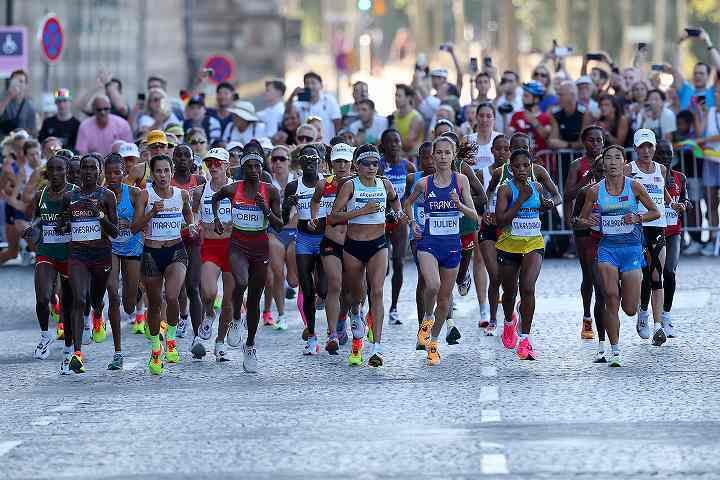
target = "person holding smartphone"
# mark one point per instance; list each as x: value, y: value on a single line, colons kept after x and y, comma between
x: 687, y: 90
x: 17, y: 111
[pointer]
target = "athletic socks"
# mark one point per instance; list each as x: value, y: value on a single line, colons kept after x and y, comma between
x: 45, y: 334
x: 155, y: 342
x: 171, y: 331
x: 601, y: 346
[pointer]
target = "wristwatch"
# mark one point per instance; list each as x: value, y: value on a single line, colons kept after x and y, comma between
x: 101, y: 215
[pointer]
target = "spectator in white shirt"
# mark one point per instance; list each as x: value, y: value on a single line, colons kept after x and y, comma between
x: 273, y: 114
x: 244, y: 126
x: 586, y: 88
x: 370, y: 125
x: 509, y: 102
x: 656, y: 116
x: 318, y: 104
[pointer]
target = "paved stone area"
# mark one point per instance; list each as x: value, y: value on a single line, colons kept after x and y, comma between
x: 480, y: 413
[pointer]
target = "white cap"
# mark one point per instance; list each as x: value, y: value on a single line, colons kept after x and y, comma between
x: 234, y: 144
x: 244, y: 110
x: 21, y: 135
x: 129, y: 150
x: 146, y: 121
x: 644, y: 135
x: 439, y: 72
x: 342, y: 151
x: 218, y: 154
x: 584, y: 80
x: 265, y: 143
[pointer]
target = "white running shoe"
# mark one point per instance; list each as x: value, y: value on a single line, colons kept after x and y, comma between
x: 221, y: 353
x: 394, y: 318
x: 249, y: 359
x: 87, y: 335
x: 642, y: 327
x: 311, y: 347
x: 281, y: 322
x: 667, y: 325
x: 659, y: 336
x: 234, y: 334
x: 197, y: 348
x: 65, y: 365
x: 181, y: 327
x: 205, y: 330
x: 357, y: 324
x: 42, y: 350
x: 693, y: 249
x: 708, y: 250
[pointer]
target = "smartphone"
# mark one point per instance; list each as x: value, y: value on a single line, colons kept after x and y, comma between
x: 208, y: 72
x: 443, y: 47
x: 642, y: 45
x: 473, y: 65
x: 657, y: 67
x: 563, y: 51
x: 700, y: 99
x: 693, y: 31
x: 594, y: 56
x: 141, y: 97
x: 487, y: 61
x: 304, y: 95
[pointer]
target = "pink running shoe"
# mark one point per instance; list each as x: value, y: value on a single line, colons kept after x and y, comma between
x: 525, y: 350
x: 268, y: 319
x: 509, y: 334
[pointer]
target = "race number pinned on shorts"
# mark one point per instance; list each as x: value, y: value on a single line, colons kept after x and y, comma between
x: 615, y: 225
x: 447, y: 224
x: 525, y: 227
x: 85, y: 231
x: 671, y: 216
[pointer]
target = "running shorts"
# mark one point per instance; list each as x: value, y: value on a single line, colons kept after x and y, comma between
x: 60, y: 266
x: 254, y: 247
x: 217, y: 251
x: 364, y: 250
x: 156, y: 260
x: 623, y: 257
x: 331, y: 247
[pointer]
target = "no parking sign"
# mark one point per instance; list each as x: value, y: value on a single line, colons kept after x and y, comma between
x: 52, y: 38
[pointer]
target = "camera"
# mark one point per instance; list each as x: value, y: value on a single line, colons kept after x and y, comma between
x: 505, y: 108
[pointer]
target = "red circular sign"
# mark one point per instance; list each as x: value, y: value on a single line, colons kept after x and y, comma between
x: 52, y: 39
x: 222, y: 67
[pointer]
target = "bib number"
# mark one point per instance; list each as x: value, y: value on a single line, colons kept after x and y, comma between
x: 444, y: 224
x: 671, y: 216
x: 615, y: 225
x: 248, y: 218
x: 85, y: 231
x: 525, y: 227
x: 124, y: 233
x: 49, y: 235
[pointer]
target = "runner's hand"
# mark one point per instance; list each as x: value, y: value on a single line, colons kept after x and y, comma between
x: 489, y: 218
x: 260, y: 202
x: 292, y: 200
x: 313, y: 224
x: 218, y: 227
x: 157, y: 206
x: 417, y: 230
x: 546, y: 203
x: 629, y: 218
x: 678, y: 207
x: 455, y: 198
x: 370, y: 208
x: 525, y: 193
x: 401, y: 217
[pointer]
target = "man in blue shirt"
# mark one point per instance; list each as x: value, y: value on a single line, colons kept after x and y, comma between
x: 688, y: 93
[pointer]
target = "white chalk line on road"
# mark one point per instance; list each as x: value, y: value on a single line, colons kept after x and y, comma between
x: 7, y: 446
x: 493, y: 464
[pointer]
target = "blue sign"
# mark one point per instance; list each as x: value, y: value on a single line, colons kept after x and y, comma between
x: 13, y: 50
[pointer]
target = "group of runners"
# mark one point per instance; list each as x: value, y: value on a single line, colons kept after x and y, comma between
x: 332, y: 220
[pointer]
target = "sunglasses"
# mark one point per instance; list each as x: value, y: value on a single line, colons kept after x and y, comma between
x: 369, y: 163
x: 197, y: 142
x: 156, y: 146
x: 305, y: 138
x: 171, y: 145
x: 154, y: 99
x: 214, y: 163
x: 278, y: 158
x: 540, y: 74
x: 308, y: 158
x: 104, y: 109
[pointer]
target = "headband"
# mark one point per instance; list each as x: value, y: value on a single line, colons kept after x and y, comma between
x: 252, y: 156
x: 369, y: 154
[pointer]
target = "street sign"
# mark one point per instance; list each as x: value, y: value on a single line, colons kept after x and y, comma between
x: 222, y: 66
x: 13, y: 50
x: 52, y: 39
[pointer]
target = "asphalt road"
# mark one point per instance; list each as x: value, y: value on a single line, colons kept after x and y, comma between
x: 480, y: 413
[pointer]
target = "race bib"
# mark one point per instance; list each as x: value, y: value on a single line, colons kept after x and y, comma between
x: 124, y: 233
x: 525, y: 227
x: 448, y: 224
x: 326, y: 204
x: 223, y: 211
x: 248, y: 217
x: 49, y: 235
x: 85, y: 231
x: 166, y: 226
x: 671, y: 216
x: 615, y: 225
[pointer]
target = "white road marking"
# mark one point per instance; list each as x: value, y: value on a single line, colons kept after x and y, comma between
x: 488, y: 416
x: 493, y: 464
x: 488, y: 371
x: 44, y: 421
x: 489, y: 394
x: 7, y: 446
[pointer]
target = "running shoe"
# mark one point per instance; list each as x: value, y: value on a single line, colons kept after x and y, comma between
x: 509, y: 334
x: 205, y: 330
x: 453, y: 335
x: 146, y: 331
x: 234, y: 334
x: 305, y: 333
x: 311, y: 347
x: 155, y: 364
x: 249, y: 359
x: 357, y: 325
x: 693, y: 248
x: 484, y: 318
x: 464, y: 286
x: 642, y: 327
x: 76, y: 363
x: 614, y: 360
x: 55, y: 310
x: 42, y: 349
x: 342, y: 330
x: 708, y: 250
x: 65, y: 365
x: 376, y: 360
x: 394, y: 317
x: 99, y: 332
x: 87, y: 335
x: 268, y: 319
x: 433, y: 356
x: 491, y: 329
x: 667, y: 325
x: 369, y: 323
x: 197, y: 349
x: 220, y: 353
x: 659, y: 336
x: 217, y: 304
x: 600, y: 358
x: 181, y: 327
x: 281, y: 323
x: 117, y: 362
x: 423, y: 334
x: 587, y: 331
x: 331, y: 346
x: 525, y: 350
x: 355, y: 357
x: 172, y: 355
x: 138, y: 325
x: 289, y: 293
x: 60, y: 331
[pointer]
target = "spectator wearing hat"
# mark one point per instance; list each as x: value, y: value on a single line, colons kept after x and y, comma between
x: 531, y: 120
x: 272, y: 115
x: 244, y: 126
x: 138, y: 172
x: 16, y: 109
x: 62, y: 125
x: 369, y: 125
x: 97, y: 133
x: 320, y: 104
x: 586, y: 89
x: 196, y: 116
x: 157, y: 143
x: 224, y: 98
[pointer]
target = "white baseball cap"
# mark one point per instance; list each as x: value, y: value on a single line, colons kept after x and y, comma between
x: 644, y: 135
x: 265, y: 143
x: 439, y: 72
x: 584, y: 80
x: 129, y: 150
x: 218, y: 154
x: 234, y: 144
x: 342, y: 151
